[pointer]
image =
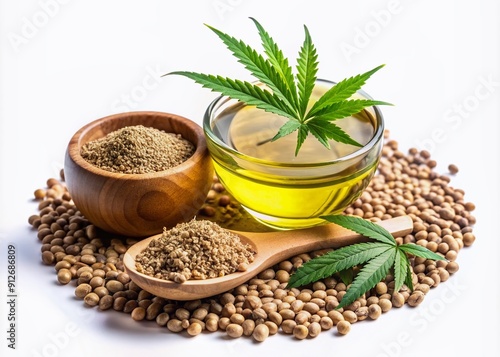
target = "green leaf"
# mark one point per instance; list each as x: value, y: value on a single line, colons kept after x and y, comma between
x: 376, y: 258
x: 347, y: 276
x: 400, y: 269
x: 371, y: 274
x: 288, y: 95
x: 301, y: 137
x: 409, y: 277
x: 345, y: 108
x: 363, y: 227
x: 260, y: 68
x: 342, y: 90
x: 319, y: 133
x: 277, y: 60
x: 243, y: 91
x: 420, y: 251
x: 334, y: 261
x: 324, y: 130
x: 289, y: 127
x: 307, y: 67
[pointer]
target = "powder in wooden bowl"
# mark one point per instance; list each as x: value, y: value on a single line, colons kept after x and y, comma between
x: 137, y: 150
x: 199, y: 249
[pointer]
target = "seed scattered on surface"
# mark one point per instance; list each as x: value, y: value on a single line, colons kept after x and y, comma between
x: 139, y: 313
x: 82, y: 290
x: 64, y: 276
x: 91, y: 299
x: 300, y: 332
x: 234, y: 330
x: 405, y: 184
x: 48, y: 257
x: 314, y: 329
x: 162, y: 319
x: 453, y: 169
x: 40, y: 194
x: 194, y: 329
x: 260, y: 333
x: 105, y: 302
x: 374, y: 311
x: 343, y: 327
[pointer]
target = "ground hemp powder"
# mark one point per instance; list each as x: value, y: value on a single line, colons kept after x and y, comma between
x: 137, y: 150
x: 199, y: 249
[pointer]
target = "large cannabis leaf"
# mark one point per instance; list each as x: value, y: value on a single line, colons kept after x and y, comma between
x: 288, y: 95
x: 376, y: 258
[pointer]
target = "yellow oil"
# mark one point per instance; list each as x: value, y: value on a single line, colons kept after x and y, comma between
x: 283, y: 190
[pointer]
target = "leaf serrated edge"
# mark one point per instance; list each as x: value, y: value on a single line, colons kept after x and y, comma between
x: 244, y: 91
x: 342, y: 90
x: 369, y: 275
x: 277, y: 59
x: 335, y: 261
x: 363, y: 227
x: 307, y: 68
x: 260, y: 67
x: 420, y: 251
x: 400, y: 269
x: 329, y: 130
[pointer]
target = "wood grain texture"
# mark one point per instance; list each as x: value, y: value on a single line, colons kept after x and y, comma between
x: 139, y: 205
x: 271, y: 248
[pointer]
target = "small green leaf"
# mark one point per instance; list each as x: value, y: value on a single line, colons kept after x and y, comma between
x: 345, y: 108
x: 307, y: 67
x: 409, y: 277
x: 400, y: 269
x: 260, y: 68
x: 301, y: 137
x: 286, y: 129
x: 319, y: 133
x: 341, y: 91
x: 243, y: 91
x: 420, y: 251
x: 277, y: 59
x: 335, y: 261
x: 347, y: 276
x: 369, y: 275
x: 363, y: 227
x: 324, y: 130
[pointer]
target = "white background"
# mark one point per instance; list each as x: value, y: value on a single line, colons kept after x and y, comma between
x: 66, y: 63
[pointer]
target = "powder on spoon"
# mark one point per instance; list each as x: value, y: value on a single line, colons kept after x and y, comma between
x: 194, y: 250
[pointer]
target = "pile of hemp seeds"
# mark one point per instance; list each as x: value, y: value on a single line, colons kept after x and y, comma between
x: 90, y: 260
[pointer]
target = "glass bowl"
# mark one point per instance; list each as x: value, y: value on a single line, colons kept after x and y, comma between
x: 278, y: 189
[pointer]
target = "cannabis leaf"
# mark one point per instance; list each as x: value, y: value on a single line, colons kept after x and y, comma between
x: 376, y: 258
x: 286, y: 94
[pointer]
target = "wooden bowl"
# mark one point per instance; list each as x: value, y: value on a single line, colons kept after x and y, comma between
x: 138, y: 205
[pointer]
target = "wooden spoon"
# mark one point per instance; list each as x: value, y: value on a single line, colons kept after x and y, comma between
x: 270, y: 247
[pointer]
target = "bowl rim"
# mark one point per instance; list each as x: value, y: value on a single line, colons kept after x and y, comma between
x: 222, y: 99
x: 74, y: 146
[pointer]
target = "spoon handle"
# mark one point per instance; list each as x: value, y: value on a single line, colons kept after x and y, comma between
x: 278, y: 246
